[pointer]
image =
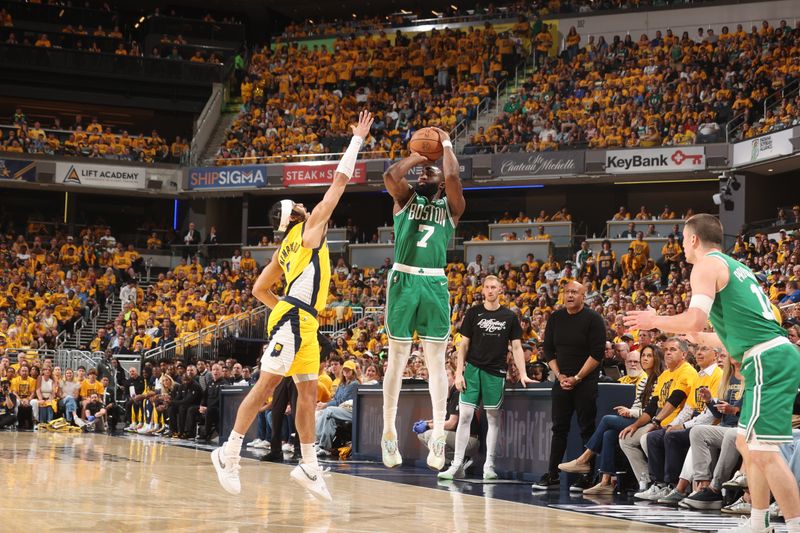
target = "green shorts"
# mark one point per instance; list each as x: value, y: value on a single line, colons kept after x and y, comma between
x: 771, y: 379
x: 417, y: 303
x: 482, y: 387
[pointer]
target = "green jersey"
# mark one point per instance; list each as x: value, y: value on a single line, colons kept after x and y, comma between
x: 422, y: 231
x: 742, y: 314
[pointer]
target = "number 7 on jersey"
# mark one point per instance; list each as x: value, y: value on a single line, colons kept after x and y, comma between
x: 423, y: 241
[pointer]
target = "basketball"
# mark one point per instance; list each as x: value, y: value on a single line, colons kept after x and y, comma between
x: 426, y: 142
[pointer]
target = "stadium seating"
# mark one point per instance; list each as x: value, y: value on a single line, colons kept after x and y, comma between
x: 658, y: 90
x: 300, y: 100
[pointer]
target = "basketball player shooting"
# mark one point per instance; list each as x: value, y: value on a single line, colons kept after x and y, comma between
x: 417, y: 299
x: 293, y: 348
x: 725, y: 292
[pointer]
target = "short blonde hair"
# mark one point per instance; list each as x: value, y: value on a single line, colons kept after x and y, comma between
x: 491, y: 277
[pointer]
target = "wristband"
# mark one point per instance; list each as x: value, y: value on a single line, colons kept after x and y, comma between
x: 347, y: 165
x: 656, y: 422
x: 447, y: 144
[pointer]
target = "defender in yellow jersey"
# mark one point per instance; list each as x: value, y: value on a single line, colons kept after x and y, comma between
x: 293, y: 348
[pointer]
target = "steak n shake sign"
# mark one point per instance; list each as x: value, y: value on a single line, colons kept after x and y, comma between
x: 528, y: 164
x: 675, y: 159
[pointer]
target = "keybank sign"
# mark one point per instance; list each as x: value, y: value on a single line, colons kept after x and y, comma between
x: 656, y: 160
x: 228, y: 177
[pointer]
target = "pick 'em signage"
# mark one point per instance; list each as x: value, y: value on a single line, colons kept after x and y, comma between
x: 674, y: 159
x: 245, y: 176
x: 105, y: 176
x: 318, y: 174
x: 17, y: 170
x: 534, y: 164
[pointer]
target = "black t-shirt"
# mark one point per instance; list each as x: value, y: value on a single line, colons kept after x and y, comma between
x: 489, y: 333
x: 572, y: 339
x: 452, y: 409
x: 94, y: 407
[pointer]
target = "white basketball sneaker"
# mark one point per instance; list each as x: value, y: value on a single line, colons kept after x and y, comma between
x: 227, y: 471
x: 436, y: 453
x: 389, y: 451
x: 311, y: 479
x: 488, y: 473
x: 745, y: 526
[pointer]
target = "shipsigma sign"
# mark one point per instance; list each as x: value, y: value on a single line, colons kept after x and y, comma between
x: 656, y: 160
x: 228, y: 177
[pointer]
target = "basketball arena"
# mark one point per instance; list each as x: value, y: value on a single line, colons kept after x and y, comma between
x: 373, y: 266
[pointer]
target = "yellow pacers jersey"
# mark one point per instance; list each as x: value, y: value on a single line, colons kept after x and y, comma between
x: 710, y: 382
x: 681, y: 378
x: 307, y: 270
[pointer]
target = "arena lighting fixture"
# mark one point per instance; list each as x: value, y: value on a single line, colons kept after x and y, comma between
x: 724, y: 196
x: 770, y: 170
x: 506, y: 187
x: 648, y: 182
x: 141, y: 19
x: 435, y: 14
x: 453, y: 7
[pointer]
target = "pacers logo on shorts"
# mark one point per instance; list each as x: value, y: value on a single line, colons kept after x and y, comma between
x: 276, y: 351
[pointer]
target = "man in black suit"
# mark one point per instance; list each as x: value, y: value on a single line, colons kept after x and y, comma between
x: 191, y: 240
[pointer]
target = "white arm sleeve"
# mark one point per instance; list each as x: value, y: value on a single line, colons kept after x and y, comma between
x: 702, y: 302
x: 347, y: 165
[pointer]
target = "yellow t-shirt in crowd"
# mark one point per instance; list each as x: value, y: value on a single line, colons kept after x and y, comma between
x: 87, y: 389
x: 711, y: 382
x: 24, y: 388
x: 682, y: 378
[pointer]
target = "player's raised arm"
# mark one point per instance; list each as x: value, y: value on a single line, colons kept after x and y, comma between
x: 318, y: 221
x: 395, y: 179
x: 452, y: 178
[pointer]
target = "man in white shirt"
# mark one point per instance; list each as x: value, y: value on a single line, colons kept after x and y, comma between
x: 476, y: 265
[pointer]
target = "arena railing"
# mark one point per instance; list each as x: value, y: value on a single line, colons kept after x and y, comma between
x: 75, y: 358
x: 29, y: 353
x: 733, y: 129
x: 293, y: 158
x: 338, y: 327
x: 209, y: 341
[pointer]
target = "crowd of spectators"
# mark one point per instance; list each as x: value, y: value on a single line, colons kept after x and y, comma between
x: 659, y: 90
x: 118, y: 36
x: 492, y: 11
x: 174, y: 397
x: 88, y: 138
x: 300, y: 100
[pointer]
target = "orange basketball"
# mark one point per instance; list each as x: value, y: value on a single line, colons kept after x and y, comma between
x: 426, y: 142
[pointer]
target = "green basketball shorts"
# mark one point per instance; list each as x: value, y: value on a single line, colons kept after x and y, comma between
x: 417, y: 303
x: 482, y: 387
x: 771, y: 377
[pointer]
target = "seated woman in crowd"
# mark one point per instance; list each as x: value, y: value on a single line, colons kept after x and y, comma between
x: 605, y: 438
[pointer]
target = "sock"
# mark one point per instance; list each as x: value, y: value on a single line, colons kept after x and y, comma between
x: 399, y: 352
x: 793, y: 524
x: 759, y: 519
x: 493, y: 419
x: 437, y: 383
x: 233, y: 446
x: 465, y: 414
x: 309, y: 455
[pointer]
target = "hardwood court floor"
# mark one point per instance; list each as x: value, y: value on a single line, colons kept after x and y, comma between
x: 61, y: 482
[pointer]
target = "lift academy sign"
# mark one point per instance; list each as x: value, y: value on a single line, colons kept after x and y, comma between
x: 104, y: 176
